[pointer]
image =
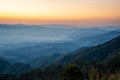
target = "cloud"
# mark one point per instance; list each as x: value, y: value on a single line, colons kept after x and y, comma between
x: 49, y: 38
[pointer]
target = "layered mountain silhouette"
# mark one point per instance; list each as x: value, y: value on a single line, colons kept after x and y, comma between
x: 108, y: 54
x: 92, y: 53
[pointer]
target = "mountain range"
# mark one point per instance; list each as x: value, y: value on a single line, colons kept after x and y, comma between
x: 74, y: 38
x: 43, y: 60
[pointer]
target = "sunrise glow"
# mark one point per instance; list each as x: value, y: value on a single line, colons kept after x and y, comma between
x: 60, y: 12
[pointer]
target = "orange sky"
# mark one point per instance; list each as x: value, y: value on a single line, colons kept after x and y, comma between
x: 71, y: 12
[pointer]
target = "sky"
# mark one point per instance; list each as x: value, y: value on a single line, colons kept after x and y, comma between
x: 70, y: 12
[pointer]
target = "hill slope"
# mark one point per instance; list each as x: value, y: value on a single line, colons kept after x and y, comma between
x: 96, y: 53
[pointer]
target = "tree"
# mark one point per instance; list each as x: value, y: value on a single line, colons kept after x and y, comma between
x: 93, y: 74
x: 72, y: 72
x: 115, y: 76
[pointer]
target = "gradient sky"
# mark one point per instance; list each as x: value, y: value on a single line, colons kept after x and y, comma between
x: 71, y: 12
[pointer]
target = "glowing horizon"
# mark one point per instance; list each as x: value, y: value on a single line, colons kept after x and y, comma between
x: 77, y: 12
